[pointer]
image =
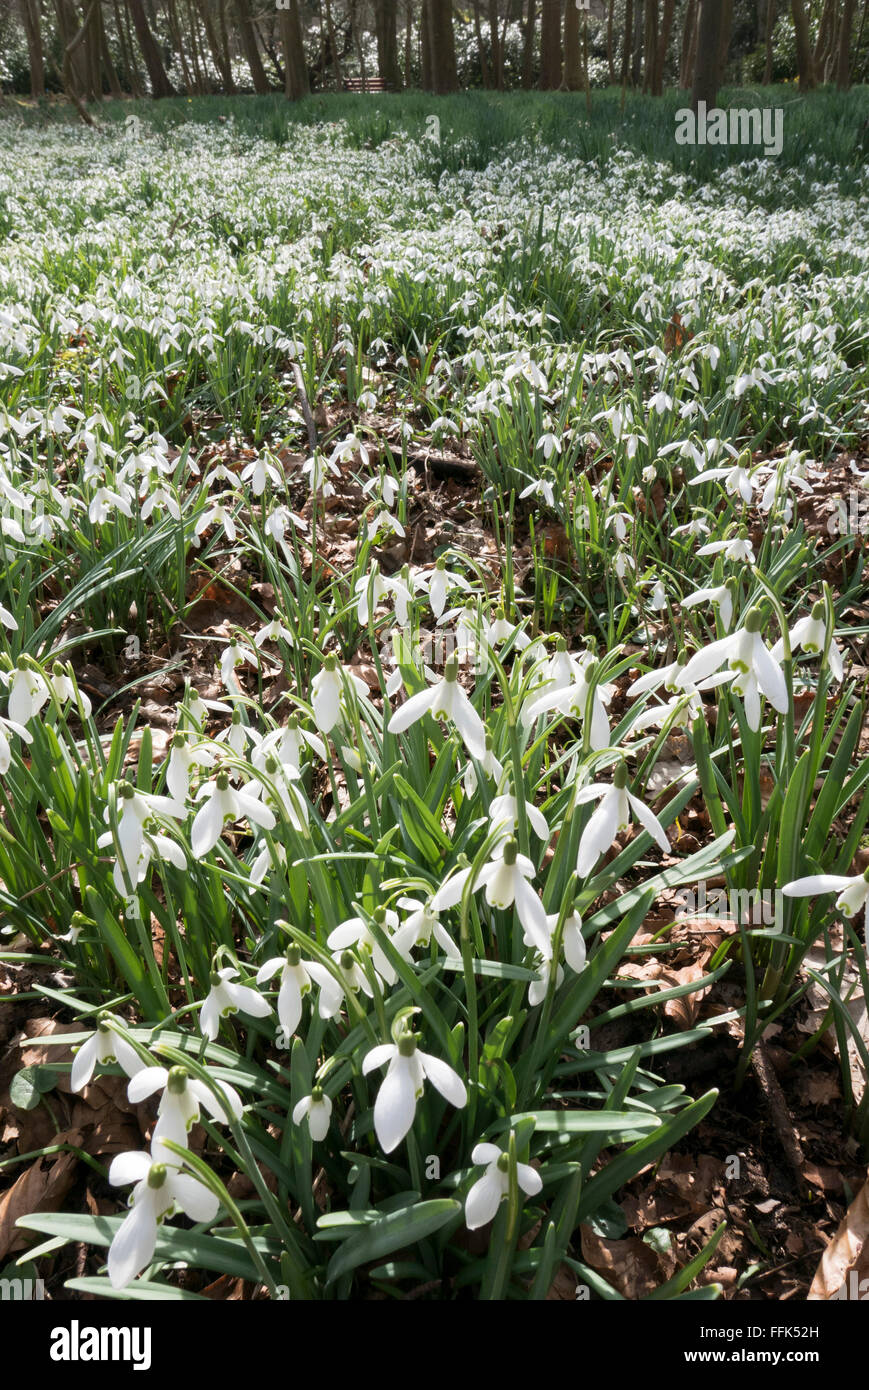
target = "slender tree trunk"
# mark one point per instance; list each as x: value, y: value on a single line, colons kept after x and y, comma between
x: 247, y: 35
x: 408, y: 40
x: 628, y: 47
x: 32, y: 21
x: 128, y: 56
x: 770, y: 27
x: 481, y: 47
x: 650, y: 44
x: 572, y: 76
x: 175, y: 31
x: 611, y: 71
x: 160, y: 84
x: 804, y: 48
x: 333, y: 43
x: 706, y: 65
x: 296, y: 83
x: 550, y: 45
x: 528, y: 46
x: 71, y: 80
x: 106, y: 58
x: 385, y: 28
x: 726, y: 30
x: 495, y: 41
x: 825, y: 33
x: 843, y: 68
x: 685, y: 68
x: 426, y: 65
x: 443, y: 46
x: 663, y: 44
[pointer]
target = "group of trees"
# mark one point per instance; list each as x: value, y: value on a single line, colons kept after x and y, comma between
x: 92, y: 48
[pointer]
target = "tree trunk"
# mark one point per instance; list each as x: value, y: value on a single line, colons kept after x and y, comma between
x: 426, y: 66
x: 175, y: 31
x: 385, y: 28
x: 550, y: 45
x: 627, y: 48
x: 685, y: 67
x: 495, y: 41
x: 160, y: 84
x: 825, y: 33
x: 106, y: 58
x: 770, y: 26
x: 443, y: 46
x: 611, y: 71
x: 843, y: 68
x: 408, y: 40
x: 706, y: 65
x: 804, y: 48
x: 528, y: 46
x: 296, y: 83
x: 726, y: 30
x: 128, y: 55
x: 247, y: 35
x: 663, y: 44
x: 650, y: 44
x: 572, y: 55
x: 481, y: 47
x: 31, y: 20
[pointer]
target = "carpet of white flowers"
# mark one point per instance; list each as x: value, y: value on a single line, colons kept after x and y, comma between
x: 416, y: 571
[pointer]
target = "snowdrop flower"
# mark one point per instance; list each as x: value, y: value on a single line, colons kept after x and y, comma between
x: 618, y: 807
x: 487, y: 1193
x: 445, y: 700
x: 384, y: 521
x: 753, y: 669
x: 573, y: 700
x: 540, y: 487
x: 550, y: 444
x: 343, y: 451
x: 259, y: 472
x: 658, y: 600
x: 370, y: 589
x: 737, y: 548
x: 506, y: 880
x: 225, y: 998
x: 350, y: 980
x: 328, y: 693
x: 671, y: 677
x: 103, y: 1046
x: 853, y: 893
x: 403, y: 1085
x: 64, y: 688
x: 490, y: 765
x: 218, y: 515
x: 810, y: 635
x: 234, y: 654
x: 500, y: 630
x: 183, y: 757
x: 5, y: 747
x: 356, y: 932
x: 504, y: 817
x: 105, y: 501
x: 222, y: 803
x: 295, y: 984
x: 136, y: 810
x: 736, y: 480
x: 7, y: 619
x: 180, y: 1105
x: 273, y: 631
x: 385, y: 485
x: 317, y: 471
x: 721, y: 596
x: 317, y: 1108
x: 440, y: 580
x: 28, y: 691
x: 419, y: 927
x: 538, y: 988
x: 160, y: 1187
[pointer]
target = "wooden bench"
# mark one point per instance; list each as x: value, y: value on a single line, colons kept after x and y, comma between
x: 370, y: 84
